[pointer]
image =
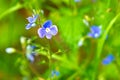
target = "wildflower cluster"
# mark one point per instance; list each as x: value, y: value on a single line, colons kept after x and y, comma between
x: 95, y: 32
x: 47, y: 28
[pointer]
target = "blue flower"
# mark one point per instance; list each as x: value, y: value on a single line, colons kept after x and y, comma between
x: 30, y: 54
x: 47, y: 30
x: 95, y: 32
x: 55, y: 73
x: 108, y: 59
x: 77, y: 0
x: 31, y: 21
x: 30, y: 57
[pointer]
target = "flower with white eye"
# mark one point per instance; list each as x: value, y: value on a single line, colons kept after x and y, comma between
x: 47, y: 30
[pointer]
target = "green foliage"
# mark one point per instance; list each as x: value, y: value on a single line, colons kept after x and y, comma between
x: 62, y: 52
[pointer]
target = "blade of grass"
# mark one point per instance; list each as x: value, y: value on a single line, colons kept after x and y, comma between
x: 10, y: 10
x: 101, y: 44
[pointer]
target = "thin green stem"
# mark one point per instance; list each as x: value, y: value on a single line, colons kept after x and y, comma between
x: 10, y: 10
x: 102, y: 40
x: 101, y: 43
x: 50, y: 64
x: 31, y: 68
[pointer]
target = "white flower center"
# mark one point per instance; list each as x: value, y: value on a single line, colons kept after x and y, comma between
x: 96, y: 35
x: 47, y: 30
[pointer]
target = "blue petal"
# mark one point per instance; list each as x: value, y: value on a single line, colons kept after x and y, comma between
x: 108, y: 59
x: 57, y: 73
x: 95, y: 29
x: 41, y: 32
x: 48, y: 35
x: 33, y: 24
x: 33, y: 47
x: 95, y: 32
x: 90, y: 34
x: 53, y: 30
x: 95, y: 35
x: 54, y: 72
x: 28, y: 26
x: 77, y: 0
x: 30, y: 57
x: 110, y: 56
x: 47, y: 24
x: 32, y: 19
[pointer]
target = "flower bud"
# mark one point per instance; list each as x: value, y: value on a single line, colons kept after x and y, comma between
x: 10, y: 50
x: 80, y: 43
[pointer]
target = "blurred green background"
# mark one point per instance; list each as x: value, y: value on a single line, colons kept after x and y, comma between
x: 73, y: 62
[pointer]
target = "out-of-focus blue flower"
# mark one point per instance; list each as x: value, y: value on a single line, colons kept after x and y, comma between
x: 47, y: 30
x: 55, y: 73
x: 30, y: 54
x: 31, y: 21
x: 77, y: 0
x: 95, y: 32
x: 108, y: 59
x: 30, y: 57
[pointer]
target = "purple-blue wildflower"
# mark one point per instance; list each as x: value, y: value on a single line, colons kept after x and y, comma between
x: 55, y: 73
x: 77, y: 0
x: 30, y: 57
x: 31, y: 21
x: 47, y: 30
x: 30, y: 54
x: 95, y: 32
x: 108, y: 59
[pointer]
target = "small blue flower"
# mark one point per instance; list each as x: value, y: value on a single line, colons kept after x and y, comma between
x: 47, y: 30
x: 30, y: 57
x: 77, y: 0
x: 108, y: 59
x: 30, y: 54
x: 31, y: 21
x: 55, y: 73
x: 95, y: 32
